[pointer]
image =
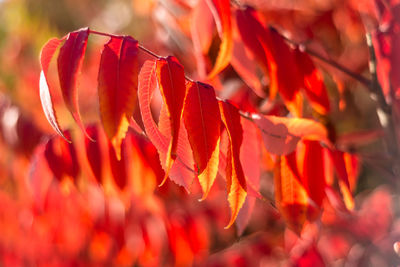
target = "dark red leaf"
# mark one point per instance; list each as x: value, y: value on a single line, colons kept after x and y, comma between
x: 118, y: 82
x: 69, y: 64
x: 202, y: 122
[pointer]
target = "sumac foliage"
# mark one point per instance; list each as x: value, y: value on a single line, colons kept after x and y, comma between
x: 265, y: 121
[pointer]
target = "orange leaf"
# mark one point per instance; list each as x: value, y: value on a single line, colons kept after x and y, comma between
x: 202, y: 27
x: 221, y: 10
x: 171, y: 81
x: 181, y: 172
x: 338, y: 159
x: 118, y: 80
x: 314, y: 86
x: 46, y: 55
x: 281, y: 135
x: 69, y: 63
x: 146, y: 85
x: 290, y: 195
x: 236, y: 182
x: 202, y: 121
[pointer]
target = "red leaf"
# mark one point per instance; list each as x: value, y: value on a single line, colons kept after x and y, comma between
x: 221, y: 10
x: 314, y: 86
x: 202, y: 121
x: 386, y: 43
x: 251, y: 32
x: 202, y: 26
x: 46, y: 55
x: 147, y: 84
x: 338, y: 159
x: 310, y: 257
x: 69, y: 63
x: 118, y: 81
x: 94, y: 153
x: 290, y: 195
x: 274, y: 55
x: 313, y: 176
x: 250, y: 160
x: 245, y: 66
x: 236, y: 182
x: 281, y: 135
x: 61, y: 157
x: 171, y: 81
x: 179, y: 172
x: 118, y: 166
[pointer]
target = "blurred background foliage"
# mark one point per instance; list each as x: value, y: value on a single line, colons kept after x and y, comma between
x: 334, y: 28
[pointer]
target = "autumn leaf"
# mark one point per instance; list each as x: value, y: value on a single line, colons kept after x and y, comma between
x: 290, y: 195
x: 61, y: 157
x: 236, y: 182
x: 221, y: 11
x: 281, y: 135
x: 346, y: 167
x: 313, y: 176
x: 69, y: 63
x: 171, y: 81
x: 250, y: 160
x: 94, y: 152
x: 118, y: 81
x: 314, y: 86
x: 201, y: 28
x: 46, y: 55
x: 275, y: 56
x: 118, y: 166
x: 146, y: 86
x: 182, y: 171
x: 251, y: 32
x: 202, y: 121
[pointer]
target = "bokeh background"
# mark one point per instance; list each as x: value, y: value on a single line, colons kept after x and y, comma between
x: 57, y: 214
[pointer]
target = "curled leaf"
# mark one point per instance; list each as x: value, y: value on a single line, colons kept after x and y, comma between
x: 46, y: 55
x: 236, y: 182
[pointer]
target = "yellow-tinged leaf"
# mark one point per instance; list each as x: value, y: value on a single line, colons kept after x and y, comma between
x: 236, y: 182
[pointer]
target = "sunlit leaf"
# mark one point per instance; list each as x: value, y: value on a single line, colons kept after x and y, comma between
x: 236, y: 182
x: 281, y: 135
x: 202, y: 121
x: 46, y: 55
x: 69, y: 63
x: 290, y: 195
x: 221, y: 10
x: 118, y: 81
x: 171, y: 81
